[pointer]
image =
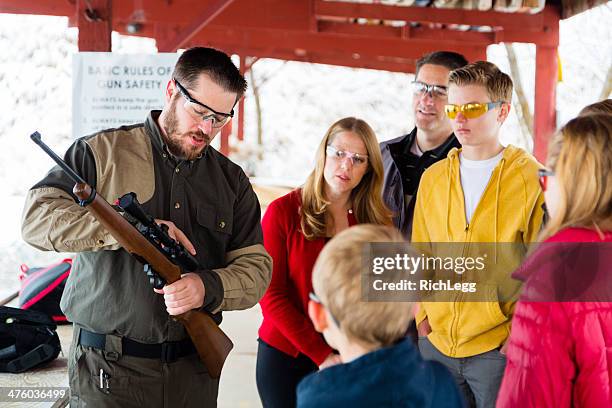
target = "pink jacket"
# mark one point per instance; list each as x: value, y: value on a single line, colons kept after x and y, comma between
x: 560, y: 353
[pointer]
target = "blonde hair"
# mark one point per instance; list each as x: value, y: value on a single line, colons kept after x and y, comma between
x: 336, y: 279
x: 604, y: 106
x: 366, y: 197
x: 580, y: 155
x: 486, y: 74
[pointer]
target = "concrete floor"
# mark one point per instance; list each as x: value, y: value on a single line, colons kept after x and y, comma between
x: 237, y: 388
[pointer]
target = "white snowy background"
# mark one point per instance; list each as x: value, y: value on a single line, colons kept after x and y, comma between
x: 299, y: 102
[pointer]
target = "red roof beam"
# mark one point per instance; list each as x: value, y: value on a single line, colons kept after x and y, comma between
x: 404, y: 64
x: 397, y: 65
x: 549, y: 36
x: 329, y: 42
x: 211, y: 11
x: 417, y: 33
x: 293, y: 14
x: 532, y: 22
x: 41, y: 7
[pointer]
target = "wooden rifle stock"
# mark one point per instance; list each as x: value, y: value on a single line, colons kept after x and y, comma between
x: 210, y: 341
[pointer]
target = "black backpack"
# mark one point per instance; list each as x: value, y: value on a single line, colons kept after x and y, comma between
x: 27, y: 339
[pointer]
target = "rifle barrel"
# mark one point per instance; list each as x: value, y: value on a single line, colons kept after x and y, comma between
x: 71, y: 173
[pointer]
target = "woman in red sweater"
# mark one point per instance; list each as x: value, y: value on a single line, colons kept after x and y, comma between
x: 559, y: 353
x: 344, y: 188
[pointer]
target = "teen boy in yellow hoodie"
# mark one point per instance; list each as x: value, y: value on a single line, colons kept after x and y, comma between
x: 481, y: 193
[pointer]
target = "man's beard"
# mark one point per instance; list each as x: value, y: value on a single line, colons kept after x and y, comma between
x: 175, y: 140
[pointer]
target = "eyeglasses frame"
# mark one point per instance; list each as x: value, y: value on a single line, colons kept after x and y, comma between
x: 543, y: 175
x: 313, y: 296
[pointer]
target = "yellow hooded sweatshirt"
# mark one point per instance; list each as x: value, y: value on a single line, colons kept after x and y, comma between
x: 510, y: 210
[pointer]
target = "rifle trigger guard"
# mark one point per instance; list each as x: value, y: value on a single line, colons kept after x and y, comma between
x: 92, y: 196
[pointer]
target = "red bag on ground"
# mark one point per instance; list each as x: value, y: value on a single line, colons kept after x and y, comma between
x: 42, y: 288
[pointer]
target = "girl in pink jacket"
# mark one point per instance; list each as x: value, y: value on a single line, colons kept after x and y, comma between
x: 560, y: 349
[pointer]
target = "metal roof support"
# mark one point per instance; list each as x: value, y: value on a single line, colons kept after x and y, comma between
x: 211, y: 11
x: 94, y: 18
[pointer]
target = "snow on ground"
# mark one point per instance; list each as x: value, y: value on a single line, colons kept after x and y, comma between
x: 299, y: 102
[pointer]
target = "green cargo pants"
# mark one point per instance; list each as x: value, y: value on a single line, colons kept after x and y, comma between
x: 106, y: 378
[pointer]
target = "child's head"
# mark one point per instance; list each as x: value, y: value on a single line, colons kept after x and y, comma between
x: 479, y: 97
x: 579, y: 190
x: 336, y: 281
x: 604, y: 106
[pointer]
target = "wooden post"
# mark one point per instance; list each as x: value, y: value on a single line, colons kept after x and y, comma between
x: 241, y: 102
x: 94, y: 18
x: 226, y: 131
x: 546, y: 77
x: 545, y: 99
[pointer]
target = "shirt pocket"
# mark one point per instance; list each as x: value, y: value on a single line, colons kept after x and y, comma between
x: 215, y: 219
x: 213, y: 235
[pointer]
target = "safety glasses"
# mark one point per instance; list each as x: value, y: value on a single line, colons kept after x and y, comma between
x: 543, y: 176
x: 356, y: 158
x: 470, y: 110
x: 313, y: 296
x: 200, y: 111
x: 421, y: 88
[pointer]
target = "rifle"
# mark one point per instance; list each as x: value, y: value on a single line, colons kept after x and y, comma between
x: 211, y: 343
x: 9, y: 298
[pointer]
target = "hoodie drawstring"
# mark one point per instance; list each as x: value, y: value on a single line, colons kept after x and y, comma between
x: 448, y: 197
x: 501, y: 169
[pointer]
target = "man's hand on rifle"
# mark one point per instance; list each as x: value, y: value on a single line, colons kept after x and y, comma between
x: 176, y: 234
x: 188, y: 292
x: 183, y: 295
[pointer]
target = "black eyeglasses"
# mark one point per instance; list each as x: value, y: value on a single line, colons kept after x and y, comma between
x: 313, y: 296
x: 421, y: 88
x: 194, y: 108
x: 543, y: 174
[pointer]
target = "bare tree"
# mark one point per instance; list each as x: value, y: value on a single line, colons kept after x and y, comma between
x: 606, y: 88
x: 521, y: 105
x: 256, y: 85
x: 256, y: 97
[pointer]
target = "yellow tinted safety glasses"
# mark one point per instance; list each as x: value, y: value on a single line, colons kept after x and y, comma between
x: 470, y: 110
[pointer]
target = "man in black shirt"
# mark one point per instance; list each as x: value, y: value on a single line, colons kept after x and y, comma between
x: 406, y: 157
